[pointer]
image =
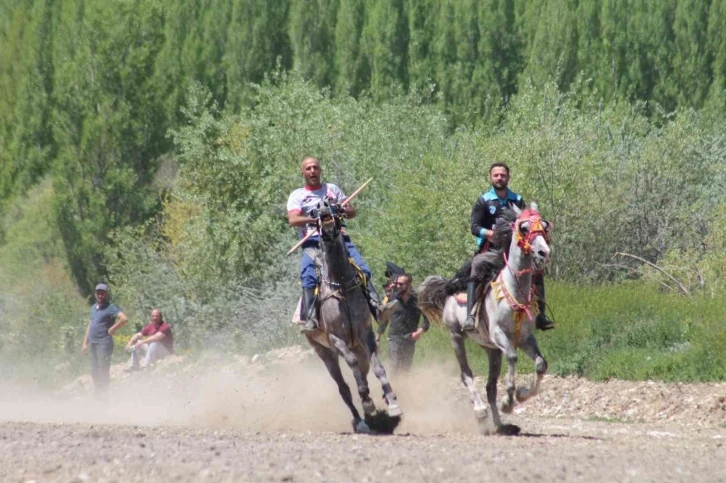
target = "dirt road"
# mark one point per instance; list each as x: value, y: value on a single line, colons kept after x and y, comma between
x: 284, y: 422
x: 550, y: 450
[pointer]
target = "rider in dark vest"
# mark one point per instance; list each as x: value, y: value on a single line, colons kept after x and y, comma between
x: 484, y: 216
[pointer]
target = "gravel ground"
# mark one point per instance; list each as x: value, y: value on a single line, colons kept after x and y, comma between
x: 551, y: 450
x: 279, y: 418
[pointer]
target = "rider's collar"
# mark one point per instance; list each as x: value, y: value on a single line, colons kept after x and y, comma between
x: 491, y: 195
x: 308, y: 188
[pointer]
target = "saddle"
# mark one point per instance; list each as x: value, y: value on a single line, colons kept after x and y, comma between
x: 315, y: 254
x: 482, y: 291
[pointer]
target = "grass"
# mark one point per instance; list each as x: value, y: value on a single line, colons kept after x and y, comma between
x: 631, y: 331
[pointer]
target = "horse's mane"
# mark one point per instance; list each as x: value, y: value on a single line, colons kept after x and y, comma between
x: 492, y: 261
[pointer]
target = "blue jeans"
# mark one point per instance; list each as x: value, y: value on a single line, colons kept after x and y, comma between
x: 308, y: 275
x: 101, y: 365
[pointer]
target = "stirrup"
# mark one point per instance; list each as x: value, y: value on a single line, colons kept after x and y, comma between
x: 468, y: 324
x: 310, y: 326
x: 543, y: 323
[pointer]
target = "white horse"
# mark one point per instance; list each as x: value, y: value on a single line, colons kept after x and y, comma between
x: 506, y: 322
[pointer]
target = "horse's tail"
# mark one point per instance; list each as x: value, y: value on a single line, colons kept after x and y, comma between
x: 432, y: 296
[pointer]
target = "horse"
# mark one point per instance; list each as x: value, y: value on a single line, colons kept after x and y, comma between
x: 345, y: 326
x: 504, y: 318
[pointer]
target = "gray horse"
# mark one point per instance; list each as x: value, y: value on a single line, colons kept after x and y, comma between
x: 504, y: 316
x: 345, y: 327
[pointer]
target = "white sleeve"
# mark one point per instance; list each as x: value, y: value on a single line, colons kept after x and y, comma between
x: 337, y: 193
x: 293, y: 203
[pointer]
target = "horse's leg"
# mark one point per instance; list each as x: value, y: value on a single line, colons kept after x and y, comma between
x: 495, y: 368
x: 362, y: 357
x: 467, y: 377
x: 352, y: 360
x: 330, y: 358
x: 531, y: 348
x: 393, y: 408
x: 501, y: 340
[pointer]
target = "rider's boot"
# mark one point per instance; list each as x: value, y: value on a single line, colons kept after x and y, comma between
x: 468, y: 323
x: 542, y: 322
x: 309, y: 310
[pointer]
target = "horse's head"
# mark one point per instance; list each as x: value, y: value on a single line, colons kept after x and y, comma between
x: 532, y: 234
x: 329, y: 217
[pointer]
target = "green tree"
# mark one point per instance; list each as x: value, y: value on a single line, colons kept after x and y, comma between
x: 257, y: 38
x: 349, y: 75
x: 692, y: 62
x: 385, y: 44
x: 312, y: 33
x: 111, y: 126
x: 717, y: 48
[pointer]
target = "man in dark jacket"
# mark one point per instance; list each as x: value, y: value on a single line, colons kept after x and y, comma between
x: 404, y: 325
x: 487, y: 209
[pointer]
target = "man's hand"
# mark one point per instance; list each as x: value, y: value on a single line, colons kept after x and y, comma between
x: 417, y: 334
x: 139, y: 343
x: 111, y: 331
x: 84, y: 349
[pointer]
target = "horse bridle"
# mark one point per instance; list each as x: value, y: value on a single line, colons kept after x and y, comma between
x: 536, y: 228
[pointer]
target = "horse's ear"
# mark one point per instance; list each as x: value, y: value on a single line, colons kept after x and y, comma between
x: 533, y: 206
x: 516, y: 210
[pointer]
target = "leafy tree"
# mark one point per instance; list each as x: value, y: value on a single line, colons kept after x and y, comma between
x: 350, y: 77
x: 256, y: 41
x: 312, y: 33
x: 384, y: 44
x: 108, y: 117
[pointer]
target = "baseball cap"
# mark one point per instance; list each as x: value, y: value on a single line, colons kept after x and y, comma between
x: 102, y: 286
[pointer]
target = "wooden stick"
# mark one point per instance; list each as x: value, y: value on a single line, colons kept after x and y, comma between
x: 345, y: 202
x: 674, y: 279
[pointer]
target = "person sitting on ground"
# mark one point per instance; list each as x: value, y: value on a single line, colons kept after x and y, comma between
x: 154, y: 342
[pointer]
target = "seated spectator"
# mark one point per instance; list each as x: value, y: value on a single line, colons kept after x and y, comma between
x: 154, y: 342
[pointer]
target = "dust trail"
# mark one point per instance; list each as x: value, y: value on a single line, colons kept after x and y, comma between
x: 292, y: 392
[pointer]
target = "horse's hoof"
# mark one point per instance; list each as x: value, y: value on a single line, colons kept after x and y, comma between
x: 382, y: 423
x: 369, y: 407
x: 481, y: 413
x: 506, y: 408
x: 395, y: 411
x: 508, y: 430
x: 362, y: 428
x: 523, y: 394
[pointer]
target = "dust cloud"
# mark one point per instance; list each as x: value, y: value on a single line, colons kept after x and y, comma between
x: 285, y: 391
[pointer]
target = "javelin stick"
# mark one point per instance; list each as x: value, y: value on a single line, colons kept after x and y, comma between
x: 345, y: 202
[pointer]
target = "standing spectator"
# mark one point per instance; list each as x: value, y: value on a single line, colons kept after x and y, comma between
x: 404, y: 322
x: 106, y: 318
x: 154, y: 342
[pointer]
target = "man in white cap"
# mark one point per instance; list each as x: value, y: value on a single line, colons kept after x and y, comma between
x: 105, y: 319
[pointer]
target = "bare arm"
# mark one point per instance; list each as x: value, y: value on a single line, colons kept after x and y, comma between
x: 152, y: 338
x: 299, y: 220
x: 133, y: 340
x: 120, y: 322
x: 84, y: 347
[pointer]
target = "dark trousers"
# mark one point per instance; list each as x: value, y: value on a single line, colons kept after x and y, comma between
x: 101, y: 365
x: 400, y: 351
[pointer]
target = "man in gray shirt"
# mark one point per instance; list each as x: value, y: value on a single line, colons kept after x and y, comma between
x: 105, y: 319
x: 404, y: 331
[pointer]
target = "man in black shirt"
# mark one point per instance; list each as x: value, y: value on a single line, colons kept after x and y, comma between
x: 404, y: 331
x: 487, y: 209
